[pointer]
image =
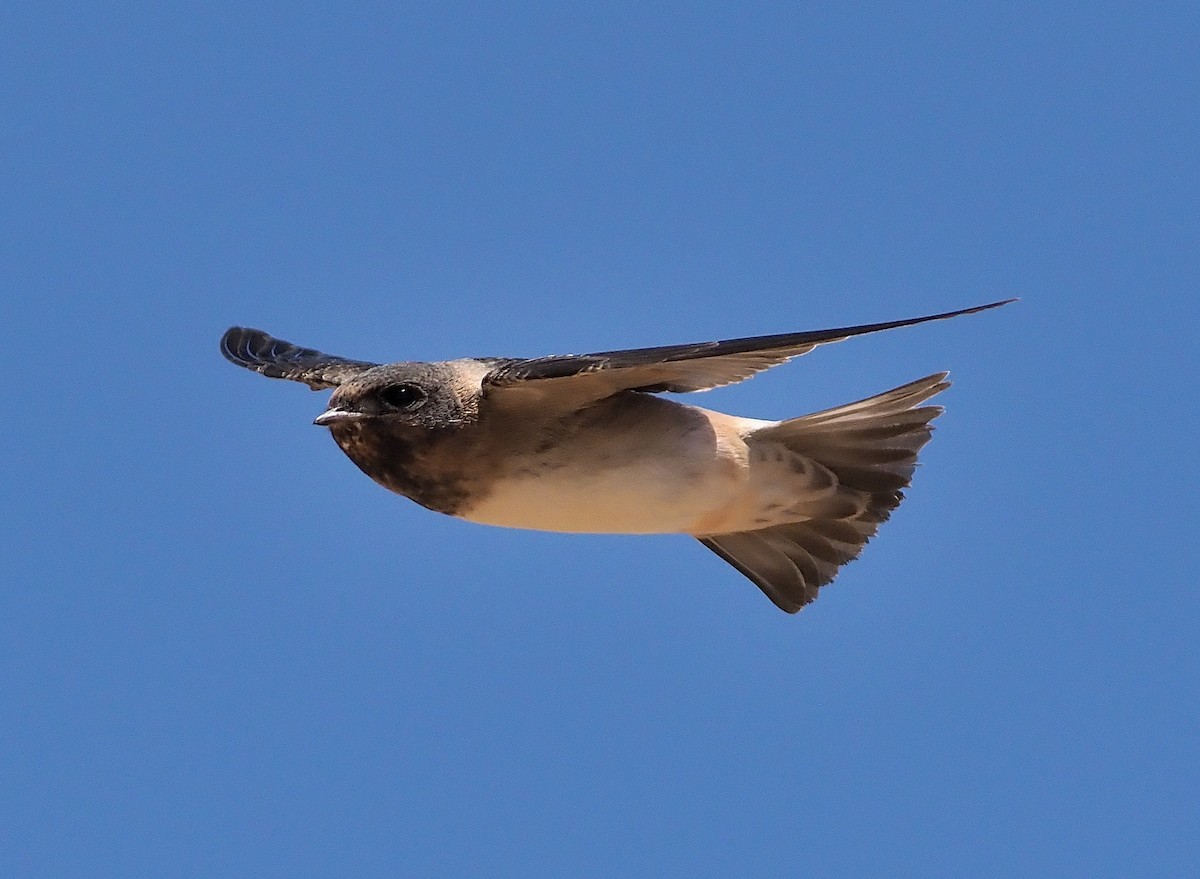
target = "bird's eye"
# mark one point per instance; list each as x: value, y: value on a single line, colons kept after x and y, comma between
x: 403, y: 396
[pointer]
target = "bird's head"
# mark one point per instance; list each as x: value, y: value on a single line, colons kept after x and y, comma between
x: 425, y: 396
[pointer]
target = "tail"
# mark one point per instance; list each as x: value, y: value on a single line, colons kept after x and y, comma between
x: 871, y: 448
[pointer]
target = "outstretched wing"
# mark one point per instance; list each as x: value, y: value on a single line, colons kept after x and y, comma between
x: 276, y: 358
x: 680, y: 368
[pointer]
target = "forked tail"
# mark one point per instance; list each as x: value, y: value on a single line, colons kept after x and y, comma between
x: 871, y: 446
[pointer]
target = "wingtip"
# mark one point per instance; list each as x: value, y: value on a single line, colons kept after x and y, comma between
x: 996, y: 304
x: 239, y: 344
x: 975, y: 309
x: 236, y: 332
x: 228, y: 342
x: 253, y: 349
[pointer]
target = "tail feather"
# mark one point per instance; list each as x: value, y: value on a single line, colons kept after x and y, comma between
x: 896, y: 401
x: 871, y: 447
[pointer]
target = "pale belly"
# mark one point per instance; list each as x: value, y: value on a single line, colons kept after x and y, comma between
x: 661, y: 499
x: 664, y: 469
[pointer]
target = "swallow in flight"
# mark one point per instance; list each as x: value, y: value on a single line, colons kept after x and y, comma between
x: 584, y: 443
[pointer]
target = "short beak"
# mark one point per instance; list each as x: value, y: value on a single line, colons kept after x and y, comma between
x: 333, y: 416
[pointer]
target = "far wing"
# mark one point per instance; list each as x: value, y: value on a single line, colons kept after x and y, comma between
x: 681, y: 368
x: 275, y: 358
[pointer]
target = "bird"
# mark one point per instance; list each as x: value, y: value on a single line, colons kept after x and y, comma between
x: 586, y: 443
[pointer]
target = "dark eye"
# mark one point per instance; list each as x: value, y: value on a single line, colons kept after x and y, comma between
x: 402, y: 396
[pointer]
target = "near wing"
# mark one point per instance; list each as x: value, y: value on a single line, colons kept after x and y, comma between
x: 681, y: 368
x: 276, y: 358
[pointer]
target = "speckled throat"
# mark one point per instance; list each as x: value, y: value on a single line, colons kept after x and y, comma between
x: 416, y: 463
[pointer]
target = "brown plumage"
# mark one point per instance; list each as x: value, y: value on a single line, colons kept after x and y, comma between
x: 583, y: 443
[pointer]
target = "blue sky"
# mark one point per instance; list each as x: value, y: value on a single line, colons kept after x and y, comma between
x: 224, y: 652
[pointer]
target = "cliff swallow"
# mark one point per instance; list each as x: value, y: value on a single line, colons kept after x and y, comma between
x: 584, y: 443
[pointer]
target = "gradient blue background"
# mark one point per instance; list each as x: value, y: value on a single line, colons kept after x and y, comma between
x: 225, y: 652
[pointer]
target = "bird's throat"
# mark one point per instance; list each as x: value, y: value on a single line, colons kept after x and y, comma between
x: 410, y: 461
